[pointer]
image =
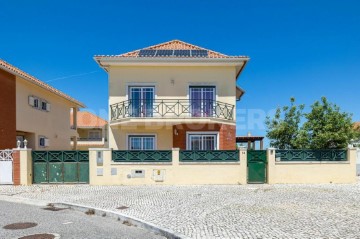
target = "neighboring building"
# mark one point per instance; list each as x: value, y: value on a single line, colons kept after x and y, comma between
x: 172, y: 95
x: 35, y: 111
x: 92, y: 131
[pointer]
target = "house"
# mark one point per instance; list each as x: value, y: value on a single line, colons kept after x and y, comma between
x: 35, y: 111
x: 172, y: 95
x: 92, y: 131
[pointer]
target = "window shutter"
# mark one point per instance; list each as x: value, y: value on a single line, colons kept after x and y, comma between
x: 31, y: 100
x: 48, y: 107
x: 47, y: 142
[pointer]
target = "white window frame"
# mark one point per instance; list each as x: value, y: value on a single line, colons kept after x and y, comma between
x: 128, y: 85
x: 140, y: 134
x: 189, y: 133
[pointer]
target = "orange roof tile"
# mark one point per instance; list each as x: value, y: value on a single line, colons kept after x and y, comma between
x: 174, y: 45
x: 87, y: 119
x: 14, y: 70
x: 357, y: 125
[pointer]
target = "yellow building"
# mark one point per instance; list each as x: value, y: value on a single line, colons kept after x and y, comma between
x: 172, y: 95
x: 34, y: 111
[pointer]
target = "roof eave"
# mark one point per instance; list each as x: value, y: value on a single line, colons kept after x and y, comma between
x: 77, y: 103
x: 105, y: 62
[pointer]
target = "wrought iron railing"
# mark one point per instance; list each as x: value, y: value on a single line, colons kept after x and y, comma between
x: 172, y: 108
x: 6, y: 155
x: 311, y: 155
x: 209, y: 155
x: 142, y: 156
x: 60, y: 156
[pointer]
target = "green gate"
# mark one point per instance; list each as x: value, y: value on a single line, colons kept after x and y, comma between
x: 60, y: 166
x: 256, y: 164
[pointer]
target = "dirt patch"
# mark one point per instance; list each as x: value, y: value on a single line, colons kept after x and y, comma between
x: 20, y: 225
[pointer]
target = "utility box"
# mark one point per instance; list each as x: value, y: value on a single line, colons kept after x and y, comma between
x: 159, y: 175
x: 137, y: 173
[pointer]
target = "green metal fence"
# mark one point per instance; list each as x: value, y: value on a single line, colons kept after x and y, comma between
x: 311, y: 155
x: 209, y: 155
x: 142, y: 156
x: 60, y: 166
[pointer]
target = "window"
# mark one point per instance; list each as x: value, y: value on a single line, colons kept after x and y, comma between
x: 202, y: 101
x: 141, y: 101
x: 43, y: 141
x: 207, y: 141
x: 38, y: 103
x: 94, y: 135
x: 43, y: 105
x: 141, y: 142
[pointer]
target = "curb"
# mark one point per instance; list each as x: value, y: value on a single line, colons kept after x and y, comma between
x: 133, y: 221
x: 124, y: 218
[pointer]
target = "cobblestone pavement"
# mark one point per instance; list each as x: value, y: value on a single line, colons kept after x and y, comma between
x: 250, y: 211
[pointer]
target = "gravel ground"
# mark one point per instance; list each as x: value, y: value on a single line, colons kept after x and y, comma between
x: 244, y: 211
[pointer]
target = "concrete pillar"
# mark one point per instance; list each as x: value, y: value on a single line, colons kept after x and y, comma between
x: 26, y: 167
x: 262, y: 144
x: 22, y: 166
x: 271, y: 170
x: 249, y: 144
x: 352, y: 157
x: 100, y: 166
x: 175, y: 156
x: 243, y: 165
x: 16, y: 166
x: 75, y: 117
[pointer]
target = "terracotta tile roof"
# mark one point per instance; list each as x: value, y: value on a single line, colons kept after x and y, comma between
x: 87, y: 119
x: 14, y: 70
x: 357, y: 125
x: 173, y: 45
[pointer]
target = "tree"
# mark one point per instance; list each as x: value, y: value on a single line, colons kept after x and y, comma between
x: 327, y: 127
x: 283, y: 129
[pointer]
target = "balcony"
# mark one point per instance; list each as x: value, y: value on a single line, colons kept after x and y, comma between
x: 89, y: 139
x: 172, y: 108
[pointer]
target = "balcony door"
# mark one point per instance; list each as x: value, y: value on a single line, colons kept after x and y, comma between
x: 141, y: 101
x: 202, y: 101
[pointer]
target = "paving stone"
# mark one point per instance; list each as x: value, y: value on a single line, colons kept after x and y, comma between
x: 241, y: 211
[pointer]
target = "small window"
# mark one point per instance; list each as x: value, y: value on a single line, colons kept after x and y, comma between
x: 43, y: 141
x: 36, y: 103
x: 43, y: 105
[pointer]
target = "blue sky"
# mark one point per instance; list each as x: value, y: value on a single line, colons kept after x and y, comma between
x: 306, y: 49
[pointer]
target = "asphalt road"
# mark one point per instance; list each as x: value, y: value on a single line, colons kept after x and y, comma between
x: 67, y: 223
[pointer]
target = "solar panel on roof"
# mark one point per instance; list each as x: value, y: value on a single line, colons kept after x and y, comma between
x: 145, y: 53
x: 181, y: 53
x: 164, y: 52
x: 199, y: 53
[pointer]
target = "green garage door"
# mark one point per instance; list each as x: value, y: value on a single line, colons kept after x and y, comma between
x: 60, y: 166
x: 256, y: 162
